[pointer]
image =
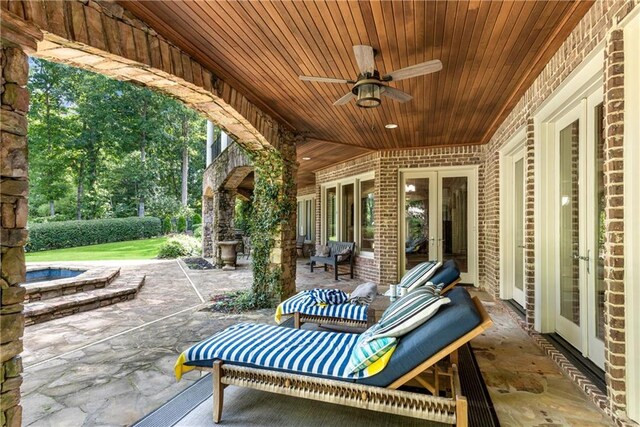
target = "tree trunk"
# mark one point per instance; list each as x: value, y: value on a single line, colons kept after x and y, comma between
x: 143, y: 158
x: 80, y: 194
x: 52, y: 208
x: 185, y: 160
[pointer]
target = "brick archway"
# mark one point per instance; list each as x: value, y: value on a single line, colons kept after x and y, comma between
x: 102, y: 37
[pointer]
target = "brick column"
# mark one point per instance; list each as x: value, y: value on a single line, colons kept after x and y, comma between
x: 614, y: 213
x: 529, y: 228
x: 17, y: 36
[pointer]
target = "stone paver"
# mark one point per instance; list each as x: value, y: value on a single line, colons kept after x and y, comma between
x: 114, y: 365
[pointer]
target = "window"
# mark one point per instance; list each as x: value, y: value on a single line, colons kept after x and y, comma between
x: 331, y: 208
x: 367, y: 230
x: 307, y: 217
x: 348, y: 212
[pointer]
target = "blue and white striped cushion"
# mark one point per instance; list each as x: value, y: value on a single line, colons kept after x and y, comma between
x: 273, y: 347
x: 419, y: 275
x: 301, y: 303
x: 408, y: 313
x: 328, y: 296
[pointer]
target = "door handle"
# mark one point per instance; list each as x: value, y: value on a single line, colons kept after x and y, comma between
x: 586, y: 258
x: 521, y: 246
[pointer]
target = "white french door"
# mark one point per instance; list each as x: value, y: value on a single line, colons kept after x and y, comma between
x: 579, y: 291
x: 438, y: 218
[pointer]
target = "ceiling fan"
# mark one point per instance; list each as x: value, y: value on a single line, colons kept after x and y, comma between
x: 369, y: 86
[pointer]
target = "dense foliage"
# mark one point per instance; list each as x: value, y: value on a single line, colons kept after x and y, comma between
x: 102, y: 148
x: 67, y: 234
x: 180, y: 245
x: 271, y: 208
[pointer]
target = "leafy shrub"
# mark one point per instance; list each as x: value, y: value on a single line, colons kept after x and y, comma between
x: 68, y: 234
x: 166, y: 225
x: 180, y: 246
x: 182, y: 224
x: 197, y: 231
x: 196, y: 219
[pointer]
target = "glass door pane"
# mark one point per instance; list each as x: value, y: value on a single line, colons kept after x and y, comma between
x: 570, y: 223
x: 367, y: 232
x: 518, y: 231
x: 417, y: 248
x: 454, y: 239
x: 348, y: 213
x: 330, y: 213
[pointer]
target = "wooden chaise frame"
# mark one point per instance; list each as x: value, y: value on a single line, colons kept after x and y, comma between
x: 300, y: 318
x: 449, y: 410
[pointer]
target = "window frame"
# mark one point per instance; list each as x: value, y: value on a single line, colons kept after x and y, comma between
x: 338, y: 185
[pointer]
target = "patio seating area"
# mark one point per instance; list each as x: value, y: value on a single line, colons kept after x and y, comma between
x: 374, y: 137
x: 122, y: 356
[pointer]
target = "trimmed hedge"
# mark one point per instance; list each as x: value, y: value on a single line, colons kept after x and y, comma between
x: 69, y: 234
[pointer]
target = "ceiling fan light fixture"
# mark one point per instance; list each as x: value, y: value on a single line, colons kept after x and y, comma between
x: 306, y: 158
x: 391, y: 125
x: 368, y: 95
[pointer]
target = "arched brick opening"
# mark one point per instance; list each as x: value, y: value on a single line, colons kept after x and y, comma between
x: 104, y: 38
x: 221, y: 183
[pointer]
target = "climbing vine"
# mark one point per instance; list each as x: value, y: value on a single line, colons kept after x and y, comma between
x: 273, y: 207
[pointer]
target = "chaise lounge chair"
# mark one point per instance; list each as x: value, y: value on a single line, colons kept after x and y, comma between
x: 312, y: 364
x: 304, y: 310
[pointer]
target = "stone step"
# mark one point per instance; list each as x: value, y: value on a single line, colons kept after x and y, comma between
x: 89, y: 280
x: 122, y: 289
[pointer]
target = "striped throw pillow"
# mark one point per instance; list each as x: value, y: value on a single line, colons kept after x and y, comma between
x: 328, y: 296
x: 419, y: 275
x: 367, y: 351
x: 409, y: 312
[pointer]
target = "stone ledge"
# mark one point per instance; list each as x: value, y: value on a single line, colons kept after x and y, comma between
x: 89, y: 280
x: 122, y: 289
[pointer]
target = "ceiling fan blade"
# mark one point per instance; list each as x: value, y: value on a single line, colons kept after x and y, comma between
x: 397, y: 94
x: 414, y: 71
x: 324, y: 79
x: 343, y: 100
x: 364, y: 58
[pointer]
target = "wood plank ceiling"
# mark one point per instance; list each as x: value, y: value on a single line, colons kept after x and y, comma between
x: 491, y: 52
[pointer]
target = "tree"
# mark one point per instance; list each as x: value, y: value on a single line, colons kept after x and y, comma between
x: 50, y: 125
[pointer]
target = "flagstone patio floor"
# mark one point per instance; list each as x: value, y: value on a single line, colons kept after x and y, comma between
x: 113, y: 365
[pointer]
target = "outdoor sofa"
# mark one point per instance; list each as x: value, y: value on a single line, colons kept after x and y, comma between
x: 312, y: 364
x: 305, y: 310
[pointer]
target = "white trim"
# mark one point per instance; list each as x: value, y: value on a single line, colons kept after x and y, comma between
x: 471, y: 172
x: 631, y: 209
x: 514, y: 147
x: 338, y: 184
x: 583, y: 80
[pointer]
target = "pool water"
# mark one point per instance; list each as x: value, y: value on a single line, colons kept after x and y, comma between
x: 51, y: 273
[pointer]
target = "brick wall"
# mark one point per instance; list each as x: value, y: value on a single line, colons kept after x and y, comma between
x: 596, y: 28
x: 614, y: 224
x: 306, y: 191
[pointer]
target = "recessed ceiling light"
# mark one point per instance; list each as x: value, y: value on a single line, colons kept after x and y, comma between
x: 391, y: 126
x: 306, y: 158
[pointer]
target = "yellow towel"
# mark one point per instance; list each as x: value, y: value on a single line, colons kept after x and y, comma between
x: 379, y: 364
x: 278, y: 315
x: 179, y: 368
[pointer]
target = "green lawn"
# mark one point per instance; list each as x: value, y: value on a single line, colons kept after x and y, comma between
x: 132, y: 249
